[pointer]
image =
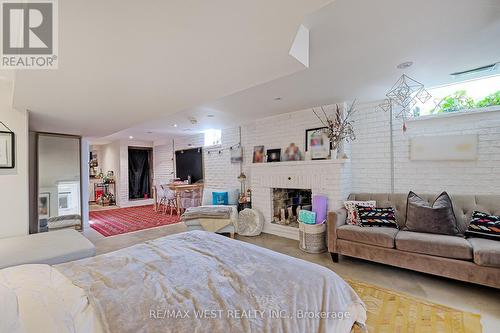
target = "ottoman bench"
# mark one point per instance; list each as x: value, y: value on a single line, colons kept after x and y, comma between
x: 50, y: 248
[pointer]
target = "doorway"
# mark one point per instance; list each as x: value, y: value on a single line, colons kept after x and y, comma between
x: 140, y: 173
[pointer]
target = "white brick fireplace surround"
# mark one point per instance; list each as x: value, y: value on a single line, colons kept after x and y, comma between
x: 331, y: 178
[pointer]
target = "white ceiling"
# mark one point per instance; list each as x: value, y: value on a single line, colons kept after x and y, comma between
x: 240, y: 50
x: 124, y: 62
x: 355, y: 48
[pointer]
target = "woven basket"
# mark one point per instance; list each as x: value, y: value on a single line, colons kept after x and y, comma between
x: 312, y: 237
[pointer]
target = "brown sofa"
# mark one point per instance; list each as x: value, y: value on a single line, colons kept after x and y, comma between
x: 475, y: 260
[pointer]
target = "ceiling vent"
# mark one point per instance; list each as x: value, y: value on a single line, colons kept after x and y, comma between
x: 478, y: 70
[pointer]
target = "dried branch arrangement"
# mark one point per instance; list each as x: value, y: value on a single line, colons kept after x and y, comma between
x: 339, y: 125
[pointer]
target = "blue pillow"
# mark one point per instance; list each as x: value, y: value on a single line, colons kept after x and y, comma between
x: 220, y: 198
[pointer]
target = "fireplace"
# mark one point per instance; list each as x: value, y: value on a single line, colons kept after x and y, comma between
x: 330, y: 178
x: 287, y: 203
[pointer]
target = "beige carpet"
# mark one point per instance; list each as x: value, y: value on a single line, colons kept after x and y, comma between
x: 391, y: 312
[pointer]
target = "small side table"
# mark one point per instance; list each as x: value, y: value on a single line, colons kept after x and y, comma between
x: 244, y: 205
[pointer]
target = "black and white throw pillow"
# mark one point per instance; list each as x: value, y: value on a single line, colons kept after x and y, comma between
x: 377, y: 217
x: 484, y: 225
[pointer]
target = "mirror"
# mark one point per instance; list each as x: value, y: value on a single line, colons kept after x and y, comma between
x: 59, y: 182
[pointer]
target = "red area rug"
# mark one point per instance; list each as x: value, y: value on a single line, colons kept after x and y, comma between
x: 122, y: 220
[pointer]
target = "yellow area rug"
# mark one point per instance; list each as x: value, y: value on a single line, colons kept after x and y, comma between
x: 390, y: 312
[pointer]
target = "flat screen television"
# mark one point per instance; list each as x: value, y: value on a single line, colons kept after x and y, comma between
x: 189, y: 162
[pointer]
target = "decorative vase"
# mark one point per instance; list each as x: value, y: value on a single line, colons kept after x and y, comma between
x: 333, y: 154
x: 307, y: 156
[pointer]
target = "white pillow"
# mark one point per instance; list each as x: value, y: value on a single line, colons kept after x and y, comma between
x: 9, y: 311
x: 47, y: 301
x: 352, y: 213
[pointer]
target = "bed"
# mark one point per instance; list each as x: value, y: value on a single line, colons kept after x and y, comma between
x: 190, y: 282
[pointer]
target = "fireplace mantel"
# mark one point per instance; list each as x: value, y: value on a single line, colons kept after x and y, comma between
x: 331, y: 178
x: 299, y: 163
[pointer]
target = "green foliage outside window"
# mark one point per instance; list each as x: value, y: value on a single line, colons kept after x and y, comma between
x: 490, y: 100
x: 459, y: 101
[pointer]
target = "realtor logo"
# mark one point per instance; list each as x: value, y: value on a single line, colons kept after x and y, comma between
x: 29, y: 34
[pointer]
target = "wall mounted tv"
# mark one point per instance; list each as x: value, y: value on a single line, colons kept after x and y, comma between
x: 189, y: 162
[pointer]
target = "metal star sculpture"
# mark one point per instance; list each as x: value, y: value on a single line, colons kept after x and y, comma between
x: 405, y: 93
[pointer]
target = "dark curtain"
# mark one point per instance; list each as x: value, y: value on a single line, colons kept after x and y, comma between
x: 138, y: 174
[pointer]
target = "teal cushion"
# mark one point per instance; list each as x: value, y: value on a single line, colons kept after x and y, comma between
x: 220, y: 198
x: 307, y: 217
x: 233, y: 195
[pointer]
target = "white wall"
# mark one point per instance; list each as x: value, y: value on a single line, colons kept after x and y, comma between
x: 114, y: 156
x: 14, y: 200
x: 272, y: 132
x: 370, y: 152
x: 14, y: 188
x: 110, y: 161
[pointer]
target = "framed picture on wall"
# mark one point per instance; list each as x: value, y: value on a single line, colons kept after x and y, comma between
x: 273, y: 155
x: 7, y: 149
x: 236, y: 155
x: 258, y: 154
x: 318, y: 143
x: 43, y: 205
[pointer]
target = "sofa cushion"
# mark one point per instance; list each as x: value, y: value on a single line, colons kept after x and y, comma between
x: 352, y: 211
x: 377, y: 217
x: 463, y: 205
x: 486, y: 252
x: 233, y: 196
x: 435, y: 218
x: 484, y: 226
x: 382, y: 236
x: 220, y: 198
x: 435, y: 245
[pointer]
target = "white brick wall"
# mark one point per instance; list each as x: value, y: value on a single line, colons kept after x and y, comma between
x: 272, y: 132
x: 219, y: 171
x: 370, y: 153
x: 466, y: 177
x: 328, y: 178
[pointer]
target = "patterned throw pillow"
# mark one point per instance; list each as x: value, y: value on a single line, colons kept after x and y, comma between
x: 220, y: 198
x: 484, y: 226
x: 352, y: 213
x: 377, y: 217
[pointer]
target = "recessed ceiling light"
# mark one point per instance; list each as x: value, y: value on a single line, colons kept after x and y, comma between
x: 131, y: 137
x: 149, y: 132
x: 405, y: 65
x: 278, y: 98
x: 210, y: 115
x: 174, y: 125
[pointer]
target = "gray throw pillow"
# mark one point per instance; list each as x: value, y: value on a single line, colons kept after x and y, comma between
x: 437, y: 218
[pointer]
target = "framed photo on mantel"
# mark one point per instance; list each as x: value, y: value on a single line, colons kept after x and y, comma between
x: 318, y: 143
x: 7, y: 149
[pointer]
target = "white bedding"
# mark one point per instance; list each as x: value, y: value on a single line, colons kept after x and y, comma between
x: 39, y: 299
x: 203, y: 282
x: 151, y: 287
